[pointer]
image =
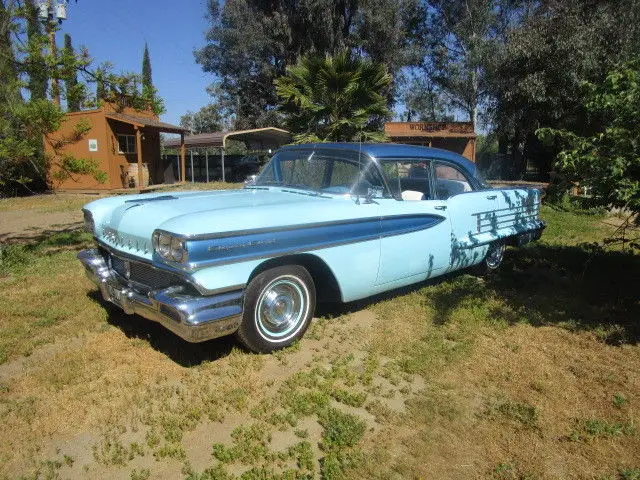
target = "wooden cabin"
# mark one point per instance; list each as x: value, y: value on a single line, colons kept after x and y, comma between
x: 125, y: 144
x: 458, y: 137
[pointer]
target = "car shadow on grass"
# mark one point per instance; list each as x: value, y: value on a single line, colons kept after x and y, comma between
x: 583, y: 287
x: 159, y: 338
x: 580, y: 288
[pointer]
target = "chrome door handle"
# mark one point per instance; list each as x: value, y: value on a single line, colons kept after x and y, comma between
x: 440, y: 207
x: 492, y: 197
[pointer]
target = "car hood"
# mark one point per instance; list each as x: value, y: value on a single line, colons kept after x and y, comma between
x: 127, y: 223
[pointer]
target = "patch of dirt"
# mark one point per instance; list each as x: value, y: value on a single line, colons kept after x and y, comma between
x: 564, y: 377
x: 28, y: 225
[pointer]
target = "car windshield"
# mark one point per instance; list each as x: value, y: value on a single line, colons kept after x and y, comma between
x: 323, y: 172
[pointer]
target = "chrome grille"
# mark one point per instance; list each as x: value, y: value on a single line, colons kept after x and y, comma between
x: 144, y: 274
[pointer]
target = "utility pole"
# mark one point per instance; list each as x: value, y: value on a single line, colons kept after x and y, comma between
x: 55, y: 81
x: 48, y: 12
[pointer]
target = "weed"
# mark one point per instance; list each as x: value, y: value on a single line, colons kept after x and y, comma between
x: 152, y: 439
x: 520, y: 412
x: 46, y: 470
x: 585, y: 430
x: 249, y: 445
x: 432, y: 405
x: 142, y: 474
x: 334, y: 465
x: 341, y: 430
x: 630, y: 474
x: 111, y: 451
x: 353, y: 399
x: 215, y: 473
x: 509, y: 471
x: 381, y: 411
x: 303, y: 455
x: 307, y: 403
x: 619, y: 400
x: 170, y: 450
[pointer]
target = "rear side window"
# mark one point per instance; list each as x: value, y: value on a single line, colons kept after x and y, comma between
x: 407, y: 175
x: 449, y: 181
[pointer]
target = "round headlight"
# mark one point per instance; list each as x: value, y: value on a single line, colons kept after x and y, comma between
x: 177, y: 250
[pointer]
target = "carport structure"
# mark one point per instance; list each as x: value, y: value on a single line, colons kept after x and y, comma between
x: 265, y: 139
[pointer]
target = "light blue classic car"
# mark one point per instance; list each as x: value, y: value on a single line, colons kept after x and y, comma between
x: 324, y: 222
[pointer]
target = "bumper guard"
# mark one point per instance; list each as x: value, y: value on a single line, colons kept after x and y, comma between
x: 194, y: 318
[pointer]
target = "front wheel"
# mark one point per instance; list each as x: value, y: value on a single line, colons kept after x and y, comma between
x: 491, y: 261
x: 279, y: 304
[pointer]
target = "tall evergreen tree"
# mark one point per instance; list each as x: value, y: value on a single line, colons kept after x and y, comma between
x: 150, y: 96
x: 9, y: 90
x: 35, y: 63
x: 74, y: 91
x: 147, y: 81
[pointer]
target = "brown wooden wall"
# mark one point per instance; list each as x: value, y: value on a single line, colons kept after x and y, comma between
x: 80, y: 149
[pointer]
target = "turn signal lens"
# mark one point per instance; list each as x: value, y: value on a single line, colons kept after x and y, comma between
x: 178, y: 252
x: 89, y: 224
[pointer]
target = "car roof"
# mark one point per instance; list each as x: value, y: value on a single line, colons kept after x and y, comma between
x: 391, y: 150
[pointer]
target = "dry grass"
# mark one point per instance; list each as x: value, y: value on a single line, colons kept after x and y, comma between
x: 203, y: 186
x: 71, y: 202
x: 49, y: 203
x: 532, y: 374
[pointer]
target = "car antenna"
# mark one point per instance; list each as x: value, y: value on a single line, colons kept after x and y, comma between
x: 359, y: 165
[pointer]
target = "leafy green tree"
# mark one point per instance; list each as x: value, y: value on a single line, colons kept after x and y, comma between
x: 459, y: 45
x: 424, y: 101
x: 205, y: 120
x: 550, y: 47
x: 340, y: 98
x: 251, y: 42
x: 607, y: 160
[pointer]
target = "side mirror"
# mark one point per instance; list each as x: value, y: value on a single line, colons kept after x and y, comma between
x: 251, y: 180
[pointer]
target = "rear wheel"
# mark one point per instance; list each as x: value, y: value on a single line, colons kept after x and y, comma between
x: 492, y: 260
x: 279, y: 304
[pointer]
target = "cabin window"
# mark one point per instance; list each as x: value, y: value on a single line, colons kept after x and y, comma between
x: 126, y: 143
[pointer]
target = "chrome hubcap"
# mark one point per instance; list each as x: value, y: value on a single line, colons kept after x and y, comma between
x: 494, y: 255
x: 281, y: 308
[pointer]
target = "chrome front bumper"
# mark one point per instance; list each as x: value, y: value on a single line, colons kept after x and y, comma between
x: 195, y: 318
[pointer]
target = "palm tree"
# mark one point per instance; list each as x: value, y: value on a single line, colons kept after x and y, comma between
x: 340, y: 98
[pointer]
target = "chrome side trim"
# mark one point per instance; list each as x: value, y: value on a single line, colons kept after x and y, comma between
x: 287, y: 228
x: 258, y: 244
x: 193, y: 318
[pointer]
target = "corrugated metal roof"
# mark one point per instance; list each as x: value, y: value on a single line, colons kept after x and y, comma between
x: 267, y: 137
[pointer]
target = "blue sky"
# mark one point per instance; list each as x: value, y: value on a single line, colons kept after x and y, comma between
x: 116, y: 31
